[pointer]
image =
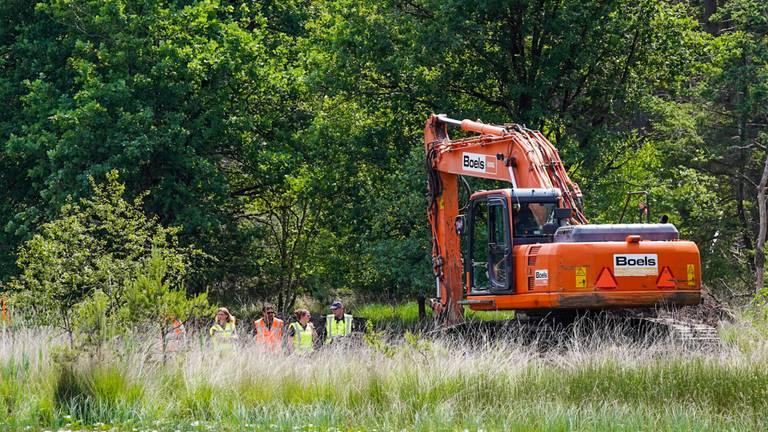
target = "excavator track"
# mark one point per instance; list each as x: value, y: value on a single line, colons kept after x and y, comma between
x: 629, y: 326
x: 685, y: 332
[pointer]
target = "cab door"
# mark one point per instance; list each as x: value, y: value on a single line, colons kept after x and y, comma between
x: 488, y: 257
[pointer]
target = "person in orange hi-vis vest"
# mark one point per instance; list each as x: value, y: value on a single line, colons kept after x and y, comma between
x: 177, y: 336
x: 269, y: 331
x: 4, y: 317
x: 178, y: 327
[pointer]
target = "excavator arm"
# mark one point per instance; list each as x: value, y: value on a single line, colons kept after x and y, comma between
x: 510, y: 153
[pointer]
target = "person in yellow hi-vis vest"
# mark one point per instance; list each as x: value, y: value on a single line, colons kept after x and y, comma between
x: 223, y: 332
x: 338, y: 324
x: 302, y: 333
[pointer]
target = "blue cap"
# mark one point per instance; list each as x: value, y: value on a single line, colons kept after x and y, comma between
x: 335, y: 305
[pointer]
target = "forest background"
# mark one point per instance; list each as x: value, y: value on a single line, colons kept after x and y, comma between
x: 272, y: 150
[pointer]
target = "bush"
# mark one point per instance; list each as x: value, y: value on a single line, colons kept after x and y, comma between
x: 101, y: 256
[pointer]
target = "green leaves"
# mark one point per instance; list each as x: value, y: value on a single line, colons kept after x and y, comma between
x: 175, y: 96
x: 156, y: 301
x: 284, y: 138
x: 76, y: 271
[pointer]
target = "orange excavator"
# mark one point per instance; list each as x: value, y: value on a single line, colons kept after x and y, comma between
x: 529, y: 247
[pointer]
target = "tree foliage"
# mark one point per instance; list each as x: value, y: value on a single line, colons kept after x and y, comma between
x: 180, y: 97
x: 284, y: 138
x: 157, y: 301
x: 80, y: 270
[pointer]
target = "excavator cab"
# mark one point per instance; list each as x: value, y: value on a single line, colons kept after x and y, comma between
x: 499, y: 220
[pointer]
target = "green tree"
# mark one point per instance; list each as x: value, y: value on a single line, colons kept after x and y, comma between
x: 92, y: 325
x: 197, y: 102
x: 576, y: 70
x: 157, y: 301
x: 283, y: 138
x: 731, y: 118
x: 93, y: 251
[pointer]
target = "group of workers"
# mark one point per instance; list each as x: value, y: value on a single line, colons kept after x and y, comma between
x: 270, y: 335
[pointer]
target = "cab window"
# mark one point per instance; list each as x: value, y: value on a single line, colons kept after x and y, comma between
x: 479, y: 253
x: 497, y: 247
x: 529, y: 218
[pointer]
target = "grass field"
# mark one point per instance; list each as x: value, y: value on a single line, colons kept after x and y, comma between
x: 587, y: 384
x: 406, y: 315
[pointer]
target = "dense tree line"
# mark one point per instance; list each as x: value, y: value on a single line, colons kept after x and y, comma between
x: 283, y: 138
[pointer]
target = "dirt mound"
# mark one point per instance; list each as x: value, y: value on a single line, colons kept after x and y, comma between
x: 711, y: 311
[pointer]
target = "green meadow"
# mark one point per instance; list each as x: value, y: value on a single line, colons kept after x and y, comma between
x: 587, y: 383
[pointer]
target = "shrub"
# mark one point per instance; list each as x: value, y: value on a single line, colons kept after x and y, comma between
x: 100, y: 256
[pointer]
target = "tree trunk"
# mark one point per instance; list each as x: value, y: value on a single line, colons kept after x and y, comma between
x: 68, y: 329
x: 164, y: 344
x: 709, y: 8
x: 746, y: 228
x: 760, y: 243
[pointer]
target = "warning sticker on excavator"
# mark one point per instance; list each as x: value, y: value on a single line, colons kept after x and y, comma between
x: 691, y: 275
x: 581, y: 277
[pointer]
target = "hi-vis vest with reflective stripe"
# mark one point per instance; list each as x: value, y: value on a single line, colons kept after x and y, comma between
x: 338, y: 328
x: 302, y: 338
x: 178, y: 327
x: 223, y: 336
x: 269, y: 338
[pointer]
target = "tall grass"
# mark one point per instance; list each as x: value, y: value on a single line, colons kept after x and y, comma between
x: 425, y: 385
x: 406, y: 315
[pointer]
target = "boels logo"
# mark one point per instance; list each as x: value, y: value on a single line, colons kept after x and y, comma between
x: 635, y: 264
x: 478, y: 163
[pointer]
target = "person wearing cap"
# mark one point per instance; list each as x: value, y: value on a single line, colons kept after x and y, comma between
x: 302, y: 333
x: 269, y: 331
x: 337, y: 324
x: 223, y: 333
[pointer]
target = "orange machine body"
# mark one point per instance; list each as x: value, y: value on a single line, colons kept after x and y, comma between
x: 554, y: 273
x: 586, y: 275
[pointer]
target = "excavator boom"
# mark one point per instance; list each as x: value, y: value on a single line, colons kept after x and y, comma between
x: 520, y: 156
